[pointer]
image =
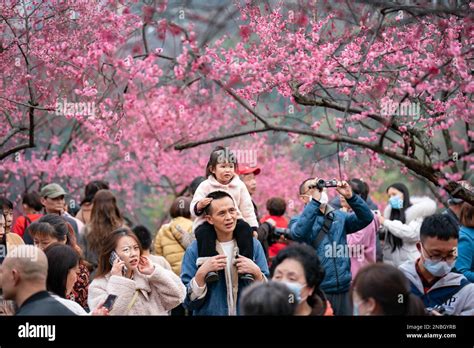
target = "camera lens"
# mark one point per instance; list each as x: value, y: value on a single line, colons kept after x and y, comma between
x: 320, y: 184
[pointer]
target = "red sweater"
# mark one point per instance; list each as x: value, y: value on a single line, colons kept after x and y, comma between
x: 20, y: 224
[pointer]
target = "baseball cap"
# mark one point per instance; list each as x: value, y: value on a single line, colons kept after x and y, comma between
x: 52, y: 191
x: 248, y: 170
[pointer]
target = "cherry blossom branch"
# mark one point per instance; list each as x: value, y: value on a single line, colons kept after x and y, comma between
x: 192, y: 144
x: 32, y: 105
x: 361, y: 63
x: 27, y: 105
x: 415, y: 10
x: 411, y: 163
x: 31, y: 137
x: 11, y: 134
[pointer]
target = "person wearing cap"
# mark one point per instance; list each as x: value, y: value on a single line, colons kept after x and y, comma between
x: 247, y: 175
x: 52, y: 199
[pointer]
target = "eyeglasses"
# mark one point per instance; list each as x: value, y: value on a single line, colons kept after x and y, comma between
x: 449, y: 258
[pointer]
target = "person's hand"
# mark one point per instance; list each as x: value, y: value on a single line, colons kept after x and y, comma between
x: 212, y: 264
x: 117, y: 267
x: 215, y: 263
x: 145, y: 266
x: 245, y: 265
x: 316, y: 194
x: 344, y: 189
x: 379, y: 216
x: 100, y: 310
x: 203, y: 203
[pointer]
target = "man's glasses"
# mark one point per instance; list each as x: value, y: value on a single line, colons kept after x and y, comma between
x: 450, y: 258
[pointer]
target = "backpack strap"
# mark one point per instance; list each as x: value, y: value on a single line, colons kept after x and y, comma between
x: 328, y: 220
x: 26, y: 235
x: 27, y: 221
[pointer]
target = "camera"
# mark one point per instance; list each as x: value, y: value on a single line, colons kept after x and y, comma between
x: 324, y: 183
x: 277, y: 232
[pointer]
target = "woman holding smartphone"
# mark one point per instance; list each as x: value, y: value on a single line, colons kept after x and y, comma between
x: 141, y: 287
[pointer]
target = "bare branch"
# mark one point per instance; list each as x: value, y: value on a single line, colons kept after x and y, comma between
x: 27, y: 105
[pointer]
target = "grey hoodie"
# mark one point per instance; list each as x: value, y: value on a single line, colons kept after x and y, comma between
x: 461, y: 303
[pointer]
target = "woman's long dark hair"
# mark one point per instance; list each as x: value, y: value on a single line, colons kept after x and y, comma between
x: 105, y: 217
x: 61, y: 259
x: 399, y: 214
x: 92, y: 188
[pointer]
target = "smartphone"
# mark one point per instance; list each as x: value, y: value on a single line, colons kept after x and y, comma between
x: 113, y: 257
x: 109, y: 302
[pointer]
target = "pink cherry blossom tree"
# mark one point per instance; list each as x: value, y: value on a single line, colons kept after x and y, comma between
x: 139, y: 93
x: 392, y: 82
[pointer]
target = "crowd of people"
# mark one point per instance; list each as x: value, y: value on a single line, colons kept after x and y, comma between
x: 217, y: 255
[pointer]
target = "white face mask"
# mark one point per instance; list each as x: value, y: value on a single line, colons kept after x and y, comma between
x: 324, y: 198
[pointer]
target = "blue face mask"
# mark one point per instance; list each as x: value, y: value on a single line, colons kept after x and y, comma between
x: 295, y: 288
x: 436, y: 268
x: 439, y: 268
x: 396, y: 202
x: 355, y: 310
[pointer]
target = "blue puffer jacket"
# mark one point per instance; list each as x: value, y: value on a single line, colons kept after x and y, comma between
x: 215, y: 301
x: 465, y: 260
x: 305, y: 228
